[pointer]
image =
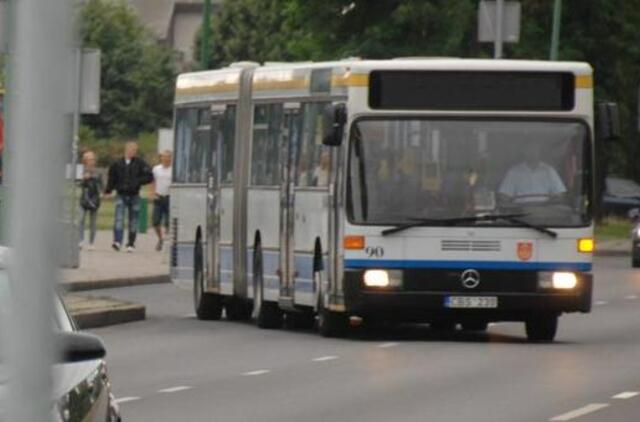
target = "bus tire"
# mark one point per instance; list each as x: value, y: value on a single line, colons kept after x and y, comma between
x: 475, y: 326
x: 635, y: 261
x: 542, y: 329
x: 267, y: 314
x: 208, y: 306
x: 330, y: 324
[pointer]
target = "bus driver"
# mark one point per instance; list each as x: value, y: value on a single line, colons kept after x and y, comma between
x: 531, y: 181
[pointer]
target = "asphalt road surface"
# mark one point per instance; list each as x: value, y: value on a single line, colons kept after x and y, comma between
x: 173, y: 367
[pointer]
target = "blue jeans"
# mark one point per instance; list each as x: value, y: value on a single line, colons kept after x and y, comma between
x: 93, y: 216
x: 130, y: 203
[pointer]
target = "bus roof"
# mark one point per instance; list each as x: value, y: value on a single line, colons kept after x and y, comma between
x: 333, y: 78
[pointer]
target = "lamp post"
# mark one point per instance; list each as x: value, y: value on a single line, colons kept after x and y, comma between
x: 555, y: 32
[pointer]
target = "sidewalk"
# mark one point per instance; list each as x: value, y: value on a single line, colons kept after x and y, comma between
x: 104, y: 267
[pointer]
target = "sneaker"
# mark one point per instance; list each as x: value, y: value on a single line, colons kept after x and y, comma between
x: 91, y: 248
x: 159, y: 245
x: 131, y: 248
x: 115, y: 246
x: 80, y: 245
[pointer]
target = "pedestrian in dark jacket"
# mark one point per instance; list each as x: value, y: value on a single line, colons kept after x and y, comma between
x: 91, y: 189
x: 126, y: 176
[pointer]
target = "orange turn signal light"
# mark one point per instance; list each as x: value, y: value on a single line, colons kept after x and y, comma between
x: 586, y: 245
x: 354, y: 242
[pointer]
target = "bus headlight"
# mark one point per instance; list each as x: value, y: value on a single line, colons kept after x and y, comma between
x: 382, y: 278
x: 557, y: 280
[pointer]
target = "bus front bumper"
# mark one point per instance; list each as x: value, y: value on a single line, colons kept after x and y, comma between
x: 425, y: 305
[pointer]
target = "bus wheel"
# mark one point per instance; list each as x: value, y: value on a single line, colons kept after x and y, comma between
x: 208, y: 306
x: 475, y: 326
x: 542, y: 329
x: 267, y: 314
x: 330, y: 324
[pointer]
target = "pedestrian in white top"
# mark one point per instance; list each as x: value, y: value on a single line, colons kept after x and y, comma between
x: 161, y: 183
x: 531, y: 180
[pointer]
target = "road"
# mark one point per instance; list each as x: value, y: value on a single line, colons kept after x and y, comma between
x: 173, y: 367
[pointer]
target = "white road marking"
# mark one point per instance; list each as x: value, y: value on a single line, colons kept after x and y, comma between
x: 625, y: 395
x: 190, y: 316
x: 387, y: 345
x: 590, y: 408
x: 126, y: 399
x: 600, y: 302
x: 631, y: 297
x: 258, y: 372
x: 175, y: 389
x: 324, y: 358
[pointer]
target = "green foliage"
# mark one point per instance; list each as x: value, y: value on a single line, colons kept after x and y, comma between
x: 137, y: 73
x: 110, y: 149
x: 601, y: 32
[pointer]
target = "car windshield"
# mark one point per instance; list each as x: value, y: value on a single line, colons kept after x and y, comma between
x: 404, y: 170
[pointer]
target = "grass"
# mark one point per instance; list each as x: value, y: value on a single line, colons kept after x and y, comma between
x: 614, y: 228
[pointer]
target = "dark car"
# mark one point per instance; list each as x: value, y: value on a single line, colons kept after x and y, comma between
x: 81, y: 388
x: 620, y: 197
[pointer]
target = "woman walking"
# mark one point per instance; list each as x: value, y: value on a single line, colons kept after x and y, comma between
x: 90, y: 197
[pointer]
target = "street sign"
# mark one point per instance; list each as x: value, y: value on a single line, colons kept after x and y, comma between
x: 510, y: 21
x: 90, y: 82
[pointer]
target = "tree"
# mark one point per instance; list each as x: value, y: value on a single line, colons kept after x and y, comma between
x: 137, y: 73
x: 601, y: 32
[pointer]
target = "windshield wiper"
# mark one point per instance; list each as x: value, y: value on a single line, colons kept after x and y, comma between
x: 512, y: 218
x: 535, y: 227
x: 448, y: 221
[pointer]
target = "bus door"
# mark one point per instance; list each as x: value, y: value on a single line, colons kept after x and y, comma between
x: 290, y: 139
x: 219, y: 216
x: 308, y: 202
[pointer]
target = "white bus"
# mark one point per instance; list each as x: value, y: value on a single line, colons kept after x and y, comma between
x: 446, y: 191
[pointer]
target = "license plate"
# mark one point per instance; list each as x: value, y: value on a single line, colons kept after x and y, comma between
x: 471, y: 302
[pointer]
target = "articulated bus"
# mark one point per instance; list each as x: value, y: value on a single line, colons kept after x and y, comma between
x: 441, y: 191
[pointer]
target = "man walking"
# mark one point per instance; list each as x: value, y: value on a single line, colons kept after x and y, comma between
x: 161, y: 183
x: 126, y: 176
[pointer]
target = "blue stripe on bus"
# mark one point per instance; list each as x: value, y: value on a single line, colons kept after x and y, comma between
x: 486, y: 265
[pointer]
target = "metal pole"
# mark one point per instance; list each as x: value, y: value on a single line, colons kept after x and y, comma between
x: 205, y: 44
x: 497, y: 44
x: 555, y: 32
x: 38, y: 92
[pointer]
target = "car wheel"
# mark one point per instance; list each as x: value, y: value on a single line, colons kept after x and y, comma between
x: 542, y: 329
x: 267, y: 314
x: 208, y: 306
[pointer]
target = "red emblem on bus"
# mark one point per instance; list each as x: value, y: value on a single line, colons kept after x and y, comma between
x: 525, y: 250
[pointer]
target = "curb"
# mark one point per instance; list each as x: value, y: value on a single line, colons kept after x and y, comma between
x: 76, y: 286
x: 94, y: 318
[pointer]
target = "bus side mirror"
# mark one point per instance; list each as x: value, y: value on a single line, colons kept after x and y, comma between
x: 608, y: 121
x: 335, y: 118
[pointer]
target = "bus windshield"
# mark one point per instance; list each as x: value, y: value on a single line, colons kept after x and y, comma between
x: 403, y: 170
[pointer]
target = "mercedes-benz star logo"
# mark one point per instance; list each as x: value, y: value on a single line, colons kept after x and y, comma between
x: 470, y: 279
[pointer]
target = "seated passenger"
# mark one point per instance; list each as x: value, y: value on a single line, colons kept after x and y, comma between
x: 531, y: 180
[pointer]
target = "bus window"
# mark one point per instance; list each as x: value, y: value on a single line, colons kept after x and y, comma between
x: 265, y: 152
x: 200, y: 148
x: 185, y: 124
x: 312, y: 164
x: 228, y: 142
